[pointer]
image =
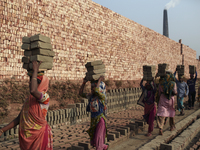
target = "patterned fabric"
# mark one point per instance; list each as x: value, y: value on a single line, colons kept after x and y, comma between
x: 161, y: 121
x: 30, y: 73
x: 96, y: 116
x: 32, y: 125
x: 180, y: 103
x: 44, y: 103
x: 167, y: 83
x: 94, y: 104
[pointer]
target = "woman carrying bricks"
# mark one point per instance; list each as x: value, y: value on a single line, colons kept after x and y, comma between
x: 34, y: 132
x: 165, y: 99
x: 98, y: 127
x: 149, y: 91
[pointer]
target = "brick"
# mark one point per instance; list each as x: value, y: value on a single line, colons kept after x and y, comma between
x: 96, y: 71
x: 71, y: 106
x: 43, y: 65
x: 86, y: 146
x: 25, y: 66
x: 93, y: 63
x: 111, y: 136
x: 140, y: 123
x: 26, y: 39
x: 164, y: 146
x: 38, y: 44
x: 41, y: 58
x: 44, y: 52
x: 122, y: 131
x: 96, y: 67
x: 25, y: 59
x: 127, y: 128
x: 117, y: 134
x: 26, y: 46
x: 27, y: 53
x: 94, y: 77
x: 40, y: 37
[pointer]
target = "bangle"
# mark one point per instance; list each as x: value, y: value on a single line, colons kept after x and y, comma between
x: 34, y: 78
x: 1, y: 130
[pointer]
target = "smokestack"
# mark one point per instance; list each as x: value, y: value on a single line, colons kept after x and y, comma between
x: 165, y: 24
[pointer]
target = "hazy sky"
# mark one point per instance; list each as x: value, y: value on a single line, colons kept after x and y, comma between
x: 183, y: 19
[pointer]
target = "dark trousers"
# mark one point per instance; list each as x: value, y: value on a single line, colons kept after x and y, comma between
x: 191, y: 99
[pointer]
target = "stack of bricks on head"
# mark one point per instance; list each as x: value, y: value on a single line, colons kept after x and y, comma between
x: 192, y: 69
x: 95, y: 69
x: 37, y: 48
x: 149, y: 72
x: 180, y: 69
x: 162, y: 69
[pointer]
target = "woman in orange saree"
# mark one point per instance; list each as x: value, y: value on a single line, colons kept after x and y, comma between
x: 34, y: 131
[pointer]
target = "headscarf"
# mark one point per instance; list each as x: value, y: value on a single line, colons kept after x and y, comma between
x: 167, y: 83
x: 32, y: 122
x: 30, y: 73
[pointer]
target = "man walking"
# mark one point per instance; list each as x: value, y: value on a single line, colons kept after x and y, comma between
x: 192, y: 92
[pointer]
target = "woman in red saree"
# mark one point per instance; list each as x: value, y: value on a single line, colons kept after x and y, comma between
x: 34, y: 131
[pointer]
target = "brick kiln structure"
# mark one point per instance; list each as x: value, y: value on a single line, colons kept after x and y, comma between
x: 82, y: 31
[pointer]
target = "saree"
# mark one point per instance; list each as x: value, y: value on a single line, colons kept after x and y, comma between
x: 34, y: 132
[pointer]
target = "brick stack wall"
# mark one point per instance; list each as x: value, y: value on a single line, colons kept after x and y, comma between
x: 82, y: 31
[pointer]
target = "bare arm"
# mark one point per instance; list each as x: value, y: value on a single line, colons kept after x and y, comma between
x: 11, y: 125
x: 33, y: 88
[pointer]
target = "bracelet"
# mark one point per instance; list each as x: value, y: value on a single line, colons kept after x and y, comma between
x: 1, y: 130
x: 34, y: 78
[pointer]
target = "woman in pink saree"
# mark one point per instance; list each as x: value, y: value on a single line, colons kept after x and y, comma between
x: 34, y: 131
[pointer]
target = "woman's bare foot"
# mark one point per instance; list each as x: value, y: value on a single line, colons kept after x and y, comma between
x: 149, y: 134
x: 160, y: 132
x: 172, y: 128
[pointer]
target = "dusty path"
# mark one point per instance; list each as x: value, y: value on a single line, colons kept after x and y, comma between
x: 140, y: 139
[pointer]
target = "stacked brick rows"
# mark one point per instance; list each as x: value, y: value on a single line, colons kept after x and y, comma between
x: 120, y: 126
x: 80, y: 32
x: 118, y: 99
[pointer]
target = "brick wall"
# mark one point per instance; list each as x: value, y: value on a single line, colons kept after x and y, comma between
x: 82, y: 31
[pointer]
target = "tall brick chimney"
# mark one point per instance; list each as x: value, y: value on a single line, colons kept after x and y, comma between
x: 165, y: 24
